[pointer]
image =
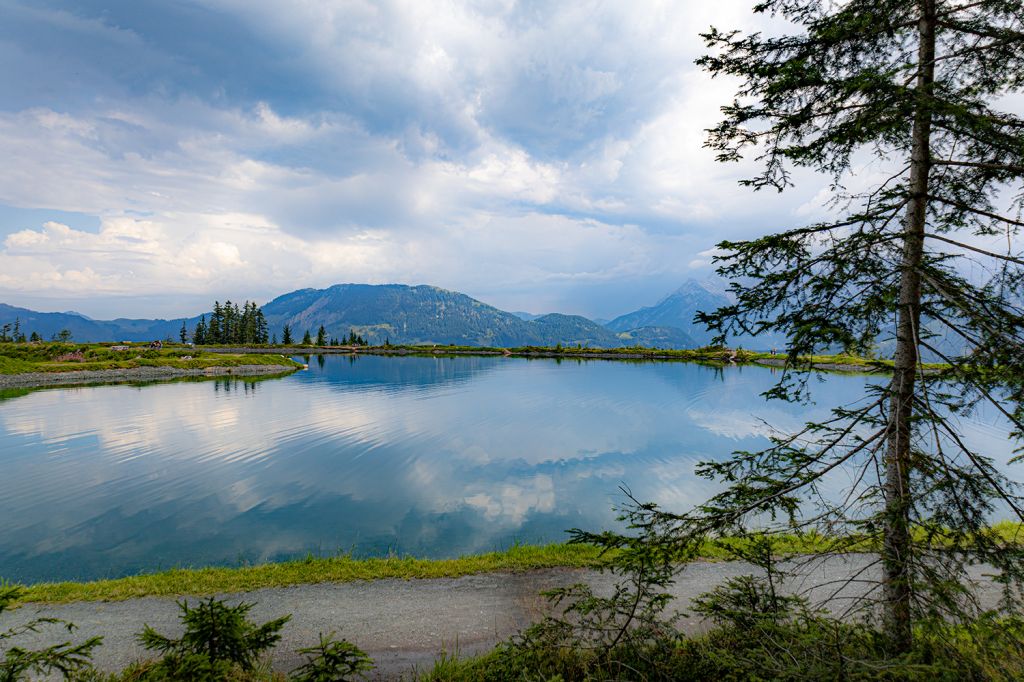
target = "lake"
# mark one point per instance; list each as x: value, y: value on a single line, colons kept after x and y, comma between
x: 423, y: 456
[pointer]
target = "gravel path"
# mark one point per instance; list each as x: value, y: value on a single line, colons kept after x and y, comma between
x: 404, y: 624
x: 108, y: 376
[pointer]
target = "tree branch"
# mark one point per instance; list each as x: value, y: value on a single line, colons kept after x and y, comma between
x: 1010, y: 259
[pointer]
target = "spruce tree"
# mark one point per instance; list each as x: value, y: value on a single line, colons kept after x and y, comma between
x: 227, y: 324
x: 214, y: 333
x: 321, y: 336
x: 183, y: 332
x: 262, y: 329
x: 930, y: 250
x: 199, y: 335
x: 307, y: 340
x: 286, y: 335
x: 915, y: 85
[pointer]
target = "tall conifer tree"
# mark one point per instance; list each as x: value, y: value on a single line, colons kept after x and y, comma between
x: 931, y: 250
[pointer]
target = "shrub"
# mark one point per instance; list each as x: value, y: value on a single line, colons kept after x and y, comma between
x: 217, y: 640
x: 332, y: 661
x: 64, y: 658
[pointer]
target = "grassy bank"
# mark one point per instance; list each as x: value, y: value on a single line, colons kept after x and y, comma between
x: 211, y: 580
x: 204, y: 581
x: 22, y: 358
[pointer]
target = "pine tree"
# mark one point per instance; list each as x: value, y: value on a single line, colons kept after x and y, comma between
x: 915, y: 84
x: 262, y: 329
x: 307, y: 340
x: 321, y: 336
x: 183, y: 332
x: 286, y: 335
x: 16, y: 334
x: 199, y: 336
x: 227, y: 324
x: 215, y: 331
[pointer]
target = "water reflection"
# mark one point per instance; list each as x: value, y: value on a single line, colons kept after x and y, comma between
x: 431, y: 456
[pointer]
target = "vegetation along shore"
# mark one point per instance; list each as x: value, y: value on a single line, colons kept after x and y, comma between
x: 45, y: 364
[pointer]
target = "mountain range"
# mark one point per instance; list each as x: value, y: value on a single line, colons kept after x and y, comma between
x: 402, y: 314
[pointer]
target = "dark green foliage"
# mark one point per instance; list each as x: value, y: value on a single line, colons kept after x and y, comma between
x: 286, y: 335
x: 199, y: 336
x: 230, y: 324
x: 332, y: 660
x: 756, y: 633
x: 217, y: 638
x: 321, y: 336
x: 17, y: 663
x: 912, y: 84
x: 307, y: 340
x: 12, y: 333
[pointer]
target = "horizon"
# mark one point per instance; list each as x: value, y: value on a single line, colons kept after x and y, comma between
x: 70, y: 311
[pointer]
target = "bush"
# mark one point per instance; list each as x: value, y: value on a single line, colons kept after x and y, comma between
x: 64, y: 658
x: 332, y: 661
x: 218, y: 640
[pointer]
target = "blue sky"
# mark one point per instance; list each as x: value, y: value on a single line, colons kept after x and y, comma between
x: 538, y: 156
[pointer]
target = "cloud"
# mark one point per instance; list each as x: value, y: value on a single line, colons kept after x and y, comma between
x: 524, y: 152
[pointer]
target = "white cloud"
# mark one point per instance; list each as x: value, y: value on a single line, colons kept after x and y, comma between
x: 482, y: 146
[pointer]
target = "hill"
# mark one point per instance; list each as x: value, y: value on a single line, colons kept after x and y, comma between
x: 402, y: 314
x: 676, y: 311
x: 86, y: 329
x: 396, y: 313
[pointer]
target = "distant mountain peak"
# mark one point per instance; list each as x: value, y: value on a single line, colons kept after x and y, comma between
x: 693, y: 287
x: 677, y: 310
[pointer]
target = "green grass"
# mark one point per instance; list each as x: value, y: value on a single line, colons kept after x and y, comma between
x: 203, y: 581
x: 20, y: 358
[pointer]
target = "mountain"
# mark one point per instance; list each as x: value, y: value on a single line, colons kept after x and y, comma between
x: 677, y: 311
x: 396, y: 313
x: 86, y: 329
x: 402, y: 314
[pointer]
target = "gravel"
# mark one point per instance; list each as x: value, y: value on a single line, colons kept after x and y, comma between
x: 405, y: 624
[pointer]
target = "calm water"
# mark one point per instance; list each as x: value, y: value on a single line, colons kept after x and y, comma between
x: 424, y: 456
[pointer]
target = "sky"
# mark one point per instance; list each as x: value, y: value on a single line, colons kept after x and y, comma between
x: 538, y: 156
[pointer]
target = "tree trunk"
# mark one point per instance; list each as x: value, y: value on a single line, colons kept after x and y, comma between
x: 896, y: 545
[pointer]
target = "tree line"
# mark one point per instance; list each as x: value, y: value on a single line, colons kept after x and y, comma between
x: 247, y: 325
x: 352, y: 339
x: 13, y: 333
x: 229, y: 324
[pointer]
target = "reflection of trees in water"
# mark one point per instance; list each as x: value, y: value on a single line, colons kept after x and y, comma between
x: 418, y: 370
x: 233, y: 384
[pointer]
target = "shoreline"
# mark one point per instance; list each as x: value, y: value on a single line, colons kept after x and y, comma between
x: 343, y: 568
x: 715, y: 358
x: 135, y: 374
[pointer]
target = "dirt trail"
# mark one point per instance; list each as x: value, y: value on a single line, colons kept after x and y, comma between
x: 403, y: 624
